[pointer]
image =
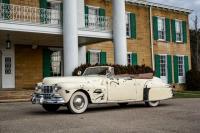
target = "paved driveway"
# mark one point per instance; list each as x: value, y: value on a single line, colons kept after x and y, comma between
x: 176, y: 115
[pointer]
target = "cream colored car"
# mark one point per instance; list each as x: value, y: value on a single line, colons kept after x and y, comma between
x: 99, y: 85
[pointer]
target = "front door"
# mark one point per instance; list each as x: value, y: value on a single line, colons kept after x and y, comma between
x: 163, y: 68
x: 8, y: 69
x: 52, y: 62
x: 181, y: 69
x: 121, y: 89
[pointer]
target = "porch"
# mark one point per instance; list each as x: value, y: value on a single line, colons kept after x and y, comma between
x: 49, y: 21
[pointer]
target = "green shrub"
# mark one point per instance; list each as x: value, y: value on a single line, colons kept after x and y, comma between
x: 193, y: 80
x: 119, y: 69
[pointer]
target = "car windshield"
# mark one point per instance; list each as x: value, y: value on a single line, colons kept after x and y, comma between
x: 95, y: 71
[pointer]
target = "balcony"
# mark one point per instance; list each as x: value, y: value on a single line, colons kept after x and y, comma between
x: 39, y: 20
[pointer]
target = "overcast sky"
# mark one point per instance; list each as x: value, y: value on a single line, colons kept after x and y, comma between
x: 190, y: 4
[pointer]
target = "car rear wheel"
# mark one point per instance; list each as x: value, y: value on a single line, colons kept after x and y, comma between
x: 78, y: 103
x: 152, y: 103
x: 51, y: 107
x: 123, y: 104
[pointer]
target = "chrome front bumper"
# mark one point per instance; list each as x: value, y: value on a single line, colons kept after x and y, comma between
x: 41, y: 99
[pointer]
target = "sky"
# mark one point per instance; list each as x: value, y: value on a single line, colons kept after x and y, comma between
x: 189, y: 4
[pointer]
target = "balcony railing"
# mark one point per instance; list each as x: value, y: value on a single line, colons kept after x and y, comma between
x: 97, y: 23
x: 31, y: 15
x: 18, y: 14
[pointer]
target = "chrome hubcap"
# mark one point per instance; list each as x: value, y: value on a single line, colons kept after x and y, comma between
x: 78, y: 102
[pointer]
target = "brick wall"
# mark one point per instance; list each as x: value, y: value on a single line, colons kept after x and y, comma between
x: 33, y: 3
x: 141, y: 45
x: 28, y: 66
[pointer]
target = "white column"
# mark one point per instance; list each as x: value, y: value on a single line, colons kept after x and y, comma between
x: 119, y: 32
x: 70, y: 36
x: 82, y: 55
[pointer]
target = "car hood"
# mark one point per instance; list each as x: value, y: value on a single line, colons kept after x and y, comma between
x: 72, y: 79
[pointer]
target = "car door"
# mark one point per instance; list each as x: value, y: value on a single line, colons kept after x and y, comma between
x: 121, y: 89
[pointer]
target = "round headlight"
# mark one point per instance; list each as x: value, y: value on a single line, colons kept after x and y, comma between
x: 37, y: 87
x: 57, y: 88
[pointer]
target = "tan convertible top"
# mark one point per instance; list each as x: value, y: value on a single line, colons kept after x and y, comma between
x: 137, y: 76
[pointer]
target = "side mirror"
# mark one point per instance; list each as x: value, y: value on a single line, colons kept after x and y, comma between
x: 79, y: 73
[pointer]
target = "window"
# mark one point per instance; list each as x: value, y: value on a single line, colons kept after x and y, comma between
x: 179, y: 31
x: 93, y: 13
x: 56, y: 59
x: 95, y: 57
x: 128, y: 26
x: 54, y: 13
x: 163, y: 65
x: 8, y: 65
x: 1, y: 10
x: 180, y: 66
x: 161, y: 29
x: 129, y: 57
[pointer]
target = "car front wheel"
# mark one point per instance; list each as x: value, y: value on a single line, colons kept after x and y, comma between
x: 51, y: 107
x: 78, y: 103
x: 152, y: 103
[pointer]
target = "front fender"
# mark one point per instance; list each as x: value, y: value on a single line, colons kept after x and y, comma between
x: 97, y: 94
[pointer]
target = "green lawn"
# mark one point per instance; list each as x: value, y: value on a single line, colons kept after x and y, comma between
x: 187, y: 94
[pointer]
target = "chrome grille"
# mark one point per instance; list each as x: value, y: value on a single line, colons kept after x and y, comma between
x: 47, y: 91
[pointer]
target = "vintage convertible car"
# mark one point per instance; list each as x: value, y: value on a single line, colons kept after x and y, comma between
x: 99, y: 85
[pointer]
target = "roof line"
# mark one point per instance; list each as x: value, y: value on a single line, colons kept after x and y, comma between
x: 158, y: 5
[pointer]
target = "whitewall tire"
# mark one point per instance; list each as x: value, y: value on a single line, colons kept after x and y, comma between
x: 152, y: 103
x: 78, y: 103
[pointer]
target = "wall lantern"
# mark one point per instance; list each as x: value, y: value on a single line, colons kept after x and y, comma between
x: 8, y: 42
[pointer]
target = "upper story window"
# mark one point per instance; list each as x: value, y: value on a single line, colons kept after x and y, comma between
x: 179, y: 31
x: 54, y: 5
x: 95, y: 57
x: 128, y: 26
x: 55, y: 12
x: 161, y: 29
x: 92, y: 18
x: 93, y: 11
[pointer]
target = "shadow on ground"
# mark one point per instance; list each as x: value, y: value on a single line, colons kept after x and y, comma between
x: 97, y: 108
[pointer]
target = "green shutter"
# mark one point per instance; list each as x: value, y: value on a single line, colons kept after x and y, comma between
x: 86, y: 9
x: 61, y: 13
x: 43, y: 13
x: 103, y: 58
x: 102, y: 14
x: 155, y: 27
x: 134, y: 59
x: 167, y: 25
x: 176, y: 69
x: 86, y: 16
x: 186, y: 64
x: 88, y: 57
x: 173, y: 30
x: 47, y: 70
x: 169, y: 68
x: 6, y: 9
x: 133, y: 25
x: 184, y: 25
x: 157, y: 65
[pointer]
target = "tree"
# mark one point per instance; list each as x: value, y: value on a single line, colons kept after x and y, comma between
x: 195, y: 42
